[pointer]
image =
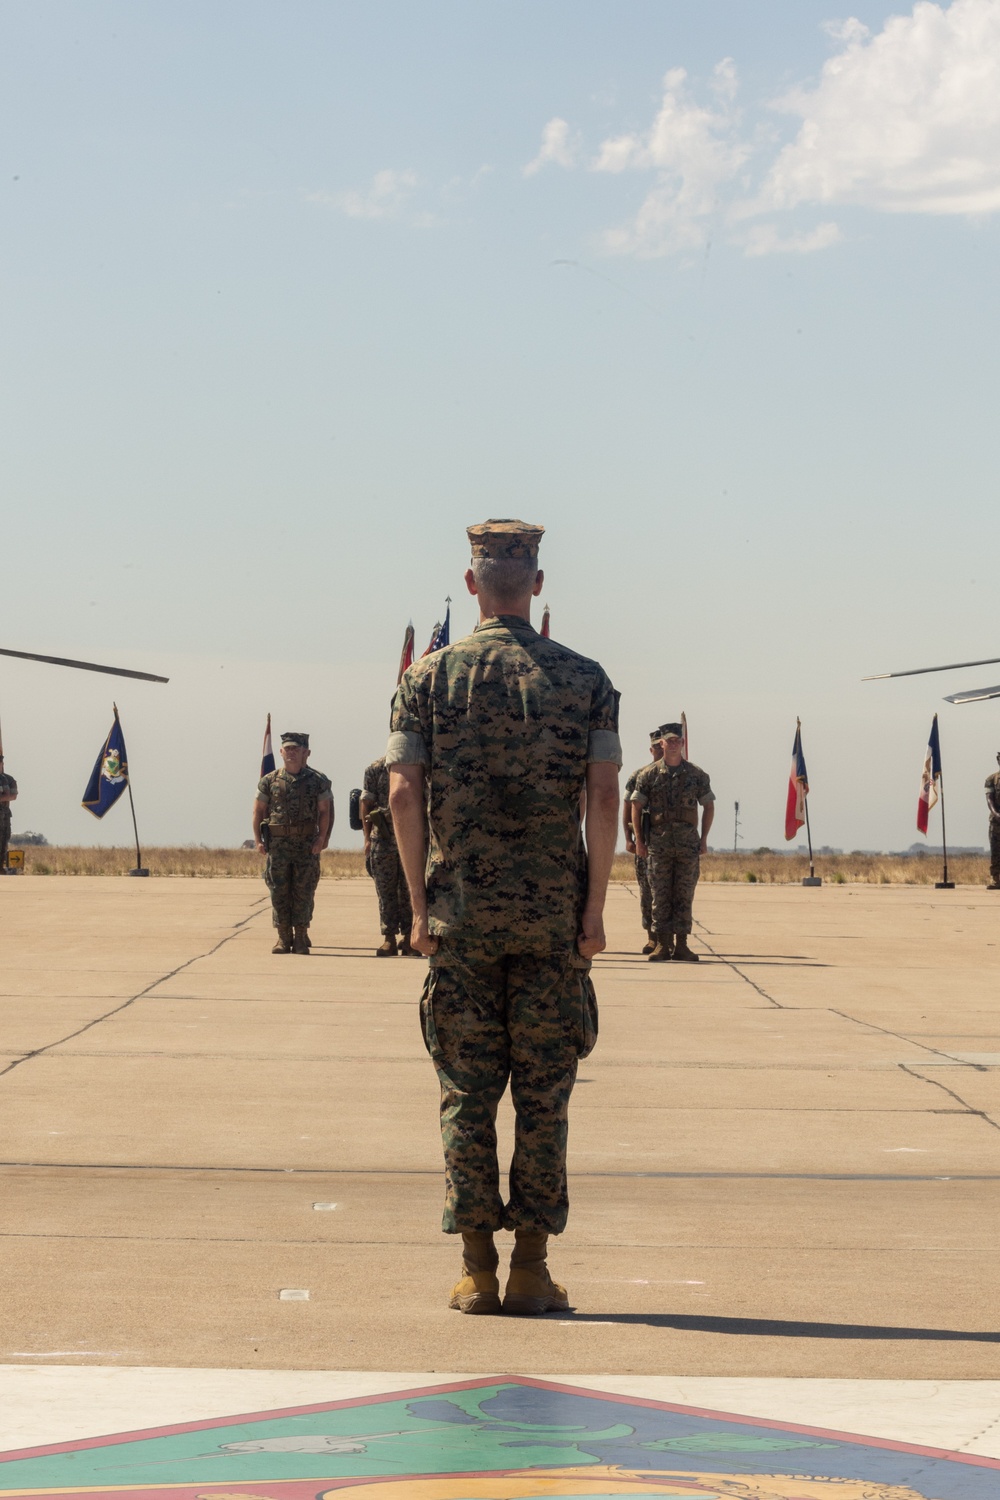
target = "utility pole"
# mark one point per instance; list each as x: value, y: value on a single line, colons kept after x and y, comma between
x: 736, y: 826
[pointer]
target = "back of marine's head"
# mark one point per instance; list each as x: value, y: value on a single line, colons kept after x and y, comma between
x: 505, y: 559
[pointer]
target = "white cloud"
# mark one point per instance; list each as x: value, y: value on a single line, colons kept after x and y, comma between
x: 851, y: 30
x: 557, y: 147
x: 904, y: 121
x: 694, y: 152
x: 386, y: 197
x: 767, y: 239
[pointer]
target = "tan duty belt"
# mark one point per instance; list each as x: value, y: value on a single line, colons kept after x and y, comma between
x: 293, y: 830
x: 688, y: 818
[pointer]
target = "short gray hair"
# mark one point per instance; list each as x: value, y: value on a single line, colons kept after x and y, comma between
x: 505, y: 578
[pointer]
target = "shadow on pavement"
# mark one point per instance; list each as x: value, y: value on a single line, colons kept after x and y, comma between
x: 775, y: 1328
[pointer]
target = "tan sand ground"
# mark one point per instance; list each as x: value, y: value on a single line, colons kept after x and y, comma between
x: 785, y: 1161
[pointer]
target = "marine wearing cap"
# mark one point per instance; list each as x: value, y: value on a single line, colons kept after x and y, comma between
x: 670, y: 731
x: 293, y: 737
x: 505, y: 537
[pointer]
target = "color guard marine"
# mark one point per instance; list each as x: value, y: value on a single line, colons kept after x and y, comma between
x: 292, y: 824
x: 641, y: 871
x: 671, y: 791
x: 993, y: 803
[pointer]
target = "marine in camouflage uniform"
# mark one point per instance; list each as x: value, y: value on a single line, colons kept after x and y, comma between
x: 500, y: 733
x: 8, y: 794
x: 383, y: 863
x: 672, y: 794
x: 641, y: 871
x: 298, y: 808
x: 993, y: 803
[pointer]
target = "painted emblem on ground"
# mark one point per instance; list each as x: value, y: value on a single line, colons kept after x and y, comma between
x: 507, y: 1438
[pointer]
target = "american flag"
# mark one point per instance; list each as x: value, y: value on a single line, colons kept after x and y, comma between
x: 441, y: 634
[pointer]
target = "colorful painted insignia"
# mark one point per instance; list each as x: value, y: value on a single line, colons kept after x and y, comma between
x: 508, y: 1438
x: 112, y: 770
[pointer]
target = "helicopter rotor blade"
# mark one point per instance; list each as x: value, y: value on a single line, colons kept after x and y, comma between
x: 952, y: 666
x: 974, y: 695
x: 84, y: 666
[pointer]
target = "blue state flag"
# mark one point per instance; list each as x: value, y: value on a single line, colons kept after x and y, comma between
x: 109, y: 777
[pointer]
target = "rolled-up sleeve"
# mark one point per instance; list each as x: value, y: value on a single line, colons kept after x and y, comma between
x: 638, y: 797
x: 604, y: 745
x: 406, y: 748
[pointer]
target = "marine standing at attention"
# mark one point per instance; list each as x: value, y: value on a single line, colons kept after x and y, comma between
x: 672, y: 790
x: 993, y: 803
x: 494, y: 739
x: 8, y: 794
x: 292, y: 824
x: 383, y: 862
x: 641, y: 872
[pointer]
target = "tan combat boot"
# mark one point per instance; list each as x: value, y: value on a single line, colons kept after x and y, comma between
x: 649, y: 945
x: 478, y: 1291
x: 406, y: 948
x: 284, y: 943
x: 387, y: 948
x: 682, y: 953
x: 663, y: 948
x: 300, y: 943
x: 530, y: 1289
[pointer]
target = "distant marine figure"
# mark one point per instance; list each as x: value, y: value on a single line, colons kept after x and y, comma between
x: 993, y: 803
x: 8, y: 794
x: 641, y: 872
x: 383, y: 863
x: 671, y: 791
x: 494, y: 740
x: 292, y: 823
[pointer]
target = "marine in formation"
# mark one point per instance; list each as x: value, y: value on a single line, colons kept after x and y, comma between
x: 641, y: 872
x: 494, y: 740
x: 993, y: 803
x: 383, y: 863
x: 292, y: 824
x: 671, y: 792
x: 8, y: 794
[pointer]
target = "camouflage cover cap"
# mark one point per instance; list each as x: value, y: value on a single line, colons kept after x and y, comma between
x: 674, y: 731
x: 505, y: 538
x: 654, y: 734
x: 293, y: 737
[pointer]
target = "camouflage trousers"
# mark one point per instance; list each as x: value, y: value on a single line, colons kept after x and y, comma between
x: 645, y: 894
x: 386, y: 869
x: 292, y: 875
x: 5, y: 827
x: 523, y: 1018
x: 673, y: 875
x: 995, y: 849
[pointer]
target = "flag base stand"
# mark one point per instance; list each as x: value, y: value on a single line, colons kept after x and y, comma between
x: 813, y: 880
x: 138, y: 872
x: 944, y: 885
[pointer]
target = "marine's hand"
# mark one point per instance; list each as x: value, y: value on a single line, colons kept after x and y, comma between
x: 591, y: 939
x: 318, y: 845
x: 641, y: 849
x: 422, y: 938
x: 703, y: 847
x: 260, y: 847
x: 368, y: 847
x: 629, y: 846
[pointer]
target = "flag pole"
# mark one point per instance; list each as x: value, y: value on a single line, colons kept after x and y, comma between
x: 128, y: 782
x: 812, y: 878
x: 944, y: 884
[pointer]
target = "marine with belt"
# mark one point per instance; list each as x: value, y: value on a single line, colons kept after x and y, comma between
x: 292, y: 824
x: 671, y: 791
x: 8, y: 794
x: 494, y: 740
x: 993, y: 803
x: 641, y: 872
x: 383, y: 863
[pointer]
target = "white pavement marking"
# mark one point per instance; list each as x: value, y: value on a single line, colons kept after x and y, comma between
x: 62, y: 1403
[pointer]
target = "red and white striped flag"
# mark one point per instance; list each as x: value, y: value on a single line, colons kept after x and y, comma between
x: 267, y: 754
x: 684, y: 735
x: 545, y: 622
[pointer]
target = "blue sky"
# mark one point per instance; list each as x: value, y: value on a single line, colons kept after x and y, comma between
x: 291, y: 294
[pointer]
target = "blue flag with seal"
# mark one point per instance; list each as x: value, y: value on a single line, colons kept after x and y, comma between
x: 109, y: 777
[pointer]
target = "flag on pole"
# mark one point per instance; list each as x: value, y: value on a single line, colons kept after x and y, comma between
x: 798, y: 787
x: 684, y: 736
x: 441, y: 634
x: 545, y: 622
x: 109, y: 777
x: 406, y: 655
x: 929, y: 777
x: 267, y: 754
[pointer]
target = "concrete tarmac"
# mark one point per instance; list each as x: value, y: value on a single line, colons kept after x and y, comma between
x: 785, y: 1160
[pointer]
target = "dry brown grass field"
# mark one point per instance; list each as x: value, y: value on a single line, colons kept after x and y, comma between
x: 342, y: 864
